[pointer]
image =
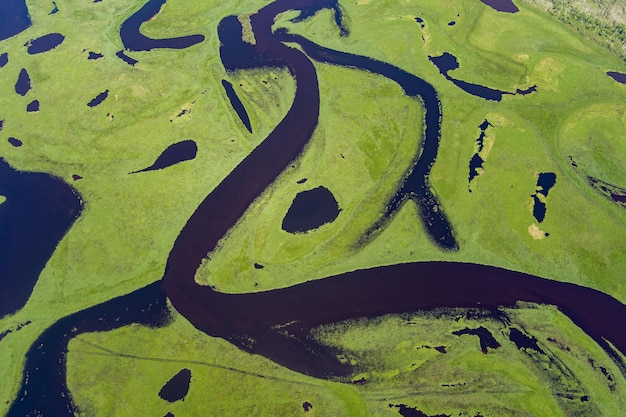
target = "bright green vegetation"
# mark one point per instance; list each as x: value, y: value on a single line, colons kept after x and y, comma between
x: 494, y: 223
x: 367, y: 135
x: 396, y: 355
x: 603, y: 21
x: 225, y: 381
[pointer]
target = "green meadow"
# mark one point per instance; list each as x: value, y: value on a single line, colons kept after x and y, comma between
x: 367, y: 136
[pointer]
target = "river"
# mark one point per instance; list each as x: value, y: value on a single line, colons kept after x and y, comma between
x: 298, y: 309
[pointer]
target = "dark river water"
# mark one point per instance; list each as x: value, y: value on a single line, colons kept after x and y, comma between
x: 134, y: 40
x: 372, y: 292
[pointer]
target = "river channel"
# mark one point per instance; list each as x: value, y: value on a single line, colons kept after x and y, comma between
x: 298, y: 309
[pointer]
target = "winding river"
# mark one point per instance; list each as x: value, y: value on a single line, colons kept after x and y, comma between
x: 250, y: 321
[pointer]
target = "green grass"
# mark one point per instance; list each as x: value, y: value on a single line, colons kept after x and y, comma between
x: 130, y: 221
x: 395, y: 354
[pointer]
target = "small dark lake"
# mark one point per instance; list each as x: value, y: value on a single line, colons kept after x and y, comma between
x: 177, y: 387
x: 617, y: 76
x: 236, y: 103
x: 310, y: 210
x: 22, y: 86
x: 44, y: 43
x: 33, y: 106
x: 523, y: 341
x: 476, y: 161
x: 4, y: 59
x: 98, y: 99
x: 173, y: 154
x: 506, y: 6
x: 546, y: 181
x: 15, y: 142
x: 484, y: 336
x: 94, y: 55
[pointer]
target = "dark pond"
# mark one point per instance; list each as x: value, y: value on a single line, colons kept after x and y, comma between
x: 484, y: 335
x: 236, y: 103
x: 33, y: 106
x: 539, y: 209
x: 178, y: 152
x: 130, y: 61
x: 310, y: 210
x: 617, y: 76
x: 476, y: 161
x: 98, y: 99
x: 44, y: 43
x: 502, y: 5
x: 475, y: 167
x: 483, y: 128
x: 14, y: 142
x: 451, y: 23
x: 177, y: 387
x: 94, y: 55
x: 14, y: 18
x: 22, y: 86
x: 523, y: 341
x: 134, y: 40
x: 4, y: 59
x: 55, y: 10
x: 307, y: 406
x: 38, y: 211
x: 545, y: 181
x: 445, y: 62
x: 1, y: 124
